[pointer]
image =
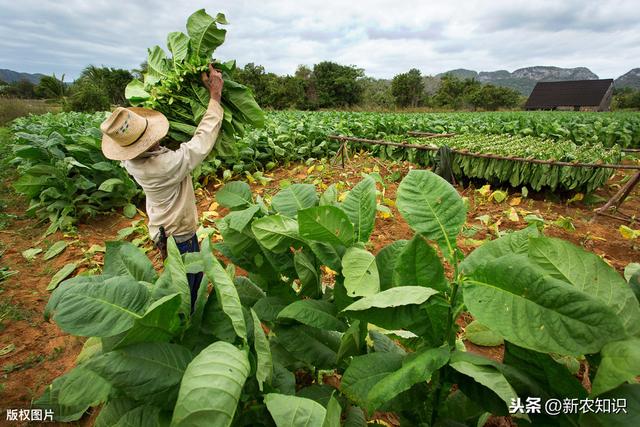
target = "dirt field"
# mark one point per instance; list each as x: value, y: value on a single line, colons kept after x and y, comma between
x: 37, y: 351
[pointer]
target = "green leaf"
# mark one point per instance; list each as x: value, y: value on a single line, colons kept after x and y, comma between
x: 157, y: 63
x: 135, y: 92
x: 360, y: 206
x: 416, y: 367
x: 264, y: 368
x: 588, y: 273
x: 55, y: 250
x: 483, y: 372
x: 308, y: 274
x: 130, y: 210
x: 317, y: 347
x: 620, y: 363
x: 418, y: 264
x: 480, y: 334
x: 512, y: 243
x: 211, y: 387
x: 384, y: 344
x: 533, y: 310
x: 326, y: 224
x: 294, y: 198
x: 159, y: 323
x: 360, y: 272
x: 174, y: 278
x: 109, y: 185
x: 292, y: 411
x: 205, y: 35
x: 30, y: 254
x: 269, y: 307
x: 330, y: 196
x: 629, y: 417
x: 113, y: 411
x: 98, y: 308
x: 235, y: 195
x: 386, y: 261
x: 124, y: 258
x: 364, y: 372
x: 178, y: 44
x: 91, y: 347
x: 395, y: 308
x: 70, y: 395
x: 316, y: 313
x: 334, y: 412
x: 62, y: 274
x: 225, y: 290
x: 276, y: 232
x: 432, y: 207
x: 146, y: 371
x: 238, y: 220
x: 248, y: 292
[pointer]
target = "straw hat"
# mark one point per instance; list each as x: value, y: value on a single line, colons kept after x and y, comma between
x: 129, y: 132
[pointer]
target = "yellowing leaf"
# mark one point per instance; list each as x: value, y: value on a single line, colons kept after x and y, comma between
x: 628, y: 233
x: 576, y: 198
x: 388, y: 202
x: 342, y: 196
x: 213, y: 206
x: 499, y: 196
x: 512, y: 215
x: 485, y: 190
x: 311, y: 169
x: 515, y: 201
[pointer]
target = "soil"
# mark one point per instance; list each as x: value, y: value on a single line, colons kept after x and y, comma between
x: 42, y: 351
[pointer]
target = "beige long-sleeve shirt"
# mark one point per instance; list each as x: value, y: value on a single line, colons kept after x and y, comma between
x: 165, y: 177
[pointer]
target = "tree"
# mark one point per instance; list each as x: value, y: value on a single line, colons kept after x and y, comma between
x: 310, y: 101
x: 111, y: 81
x: 52, y: 88
x: 490, y: 97
x: 454, y: 92
x: 377, y: 93
x: 20, y: 89
x: 337, y: 85
x: 408, y: 88
x: 89, y: 97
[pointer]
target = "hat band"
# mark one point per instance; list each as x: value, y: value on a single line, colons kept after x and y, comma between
x: 146, y: 124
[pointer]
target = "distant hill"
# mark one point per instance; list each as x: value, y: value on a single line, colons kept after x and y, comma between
x: 630, y: 79
x: 10, y: 76
x: 524, y: 79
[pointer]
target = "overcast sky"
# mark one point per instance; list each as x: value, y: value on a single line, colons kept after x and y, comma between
x: 383, y: 37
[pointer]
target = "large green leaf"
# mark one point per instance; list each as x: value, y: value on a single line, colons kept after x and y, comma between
x: 178, y: 44
x: 360, y: 206
x: 620, y: 363
x: 211, y: 387
x: 327, y: 224
x: 533, y: 310
x: 419, y: 264
x: 113, y: 411
x: 276, y: 232
x: 317, y: 313
x: 292, y: 411
x: 235, y: 195
x: 386, y: 261
x: 395, y: 308
x: 124, y: 258
x: 334, y: 412
x: 238, y: 220
x: 70, y: 395
x: 364, y: 372
x: 157, y: 62
x: 588, y: 273
x: 317, y: 347
x: 264, y: 368
x: 225, y: 290
x: 174, y: 278
x: 204, y: 33
x: 512, y: 243
x: 294, y: 198
x: 147, y: 371
x: 135, y: 92
x: 308, y: 273
x: 432, y: 207
x: 360, y: 272
x: 158, y: 324
x: 417, y: 367
x: 627, y: 395
x: 99, y: 308
x: 480, y: 334
x: 484, y: 372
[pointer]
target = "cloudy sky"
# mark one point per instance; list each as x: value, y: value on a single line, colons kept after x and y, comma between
x: 383, y: 37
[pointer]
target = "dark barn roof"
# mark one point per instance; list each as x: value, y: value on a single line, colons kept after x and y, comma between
x: 587, y: 93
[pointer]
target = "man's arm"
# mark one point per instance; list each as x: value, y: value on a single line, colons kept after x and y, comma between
x: 192, y: 153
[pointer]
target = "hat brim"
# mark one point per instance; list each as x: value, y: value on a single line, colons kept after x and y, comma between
x: 157, y: 128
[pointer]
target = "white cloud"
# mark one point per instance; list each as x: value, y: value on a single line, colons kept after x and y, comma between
x: 383, y: 37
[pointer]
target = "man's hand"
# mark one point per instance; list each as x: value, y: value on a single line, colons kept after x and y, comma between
x: 213, y: 81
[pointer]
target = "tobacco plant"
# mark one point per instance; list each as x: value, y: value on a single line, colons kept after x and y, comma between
x: 322, y: 332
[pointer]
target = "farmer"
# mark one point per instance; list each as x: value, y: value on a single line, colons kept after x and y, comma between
x: 133, y: 136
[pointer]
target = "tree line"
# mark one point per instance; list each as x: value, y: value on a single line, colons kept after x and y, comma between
x: 326, y: 85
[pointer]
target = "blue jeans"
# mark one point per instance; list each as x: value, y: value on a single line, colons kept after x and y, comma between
x: 194, y: 280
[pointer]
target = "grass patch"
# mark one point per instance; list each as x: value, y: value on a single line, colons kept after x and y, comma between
x: 11, y: 311
x: 12, y: 108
